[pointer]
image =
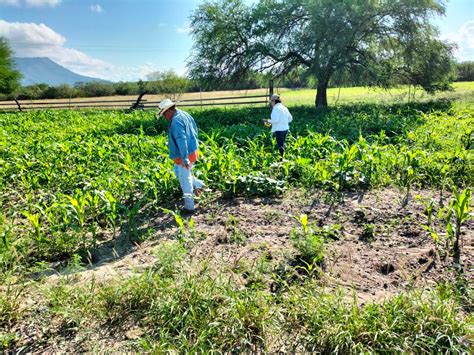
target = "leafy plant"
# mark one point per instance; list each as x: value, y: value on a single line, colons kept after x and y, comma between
x: 368, y: 232
x: 234, y: 233
x: 308, y: 242
x: 255, y: 184
x: 451, y: 218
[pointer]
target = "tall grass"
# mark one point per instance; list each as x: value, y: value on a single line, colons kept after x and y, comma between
x: 175, y: 308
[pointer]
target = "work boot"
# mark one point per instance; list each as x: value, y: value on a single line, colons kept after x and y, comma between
x: 186, y: 212
x: 188, y: 206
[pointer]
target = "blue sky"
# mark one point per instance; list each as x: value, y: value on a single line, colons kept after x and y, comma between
x: 127, y: 39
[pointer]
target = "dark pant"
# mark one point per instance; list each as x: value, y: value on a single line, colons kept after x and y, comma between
x: 280, y: 137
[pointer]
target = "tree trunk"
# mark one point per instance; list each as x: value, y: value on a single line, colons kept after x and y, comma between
x: 321, y: 94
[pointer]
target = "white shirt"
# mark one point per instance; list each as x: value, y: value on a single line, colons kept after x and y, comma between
x: 280, y: 118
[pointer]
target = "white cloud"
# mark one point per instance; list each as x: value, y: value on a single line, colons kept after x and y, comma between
x: 31, y: 3
x: 122, y: 73
x: 39, y: 40
x: 464, y: 38
x: 185, y: 29
x: 96, y: 8
x: 10, y: 2
x: 40, y: 3
x: 24, y: 36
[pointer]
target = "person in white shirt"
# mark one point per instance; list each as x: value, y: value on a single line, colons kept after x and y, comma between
x: 280, y: 122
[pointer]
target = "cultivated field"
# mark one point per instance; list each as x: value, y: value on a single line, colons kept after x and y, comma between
x: 347, y: 245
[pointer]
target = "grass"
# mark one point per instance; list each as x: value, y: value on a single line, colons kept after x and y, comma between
x: 72, y: 181
x: 415, y: 321
x: 462, y: 91
x: 68, y: 178
x: 174, y: 308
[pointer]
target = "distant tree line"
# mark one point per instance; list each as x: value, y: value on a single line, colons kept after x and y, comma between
x: 168, y: 82
x: 160, y: 82
x: 465, y: 71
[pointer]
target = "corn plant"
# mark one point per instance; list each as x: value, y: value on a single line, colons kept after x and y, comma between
x: 179, y: 222
x: 459, y: 209
x: 409, y: 162
x: 234, y: 233
x: 451, y: 218
x: 308, y: 242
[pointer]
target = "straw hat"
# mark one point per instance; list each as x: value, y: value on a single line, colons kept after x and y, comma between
x: 275, y: 97
x: 165, y: 105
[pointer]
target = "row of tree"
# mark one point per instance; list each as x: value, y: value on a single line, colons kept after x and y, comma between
x: 303, y: 43
x: 168, y: 82
x: 162, y: 82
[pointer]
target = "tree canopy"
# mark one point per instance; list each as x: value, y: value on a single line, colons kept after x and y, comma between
x: 9, y: 78
x: 465, y: 71
x: 167, y: 81
x: 377, y: 42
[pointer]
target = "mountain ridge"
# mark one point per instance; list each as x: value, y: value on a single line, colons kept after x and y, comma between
x: 36, y: 70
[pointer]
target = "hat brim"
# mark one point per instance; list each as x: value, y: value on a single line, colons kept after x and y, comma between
x: 162, y: 111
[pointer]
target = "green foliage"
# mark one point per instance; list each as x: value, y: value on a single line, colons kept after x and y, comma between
x: 70, y: 181
x: 69, y: 178
x: 422, y: 321
x: 381, y: 42
x: 255, y: 184
x: 451, y: 218
x: 187, y: 312
x: 465, y: 71
x: 234, y: 233
x: 10, y: 312
x: 309, y: 240
x: 166, y: 82
x: 368, y: 232
x: 169, y: 259
x: 9, y: 77
x: 177, y: 308
x: 94, y: 89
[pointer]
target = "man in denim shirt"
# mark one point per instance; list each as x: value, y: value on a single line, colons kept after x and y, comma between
x: 183, y: 149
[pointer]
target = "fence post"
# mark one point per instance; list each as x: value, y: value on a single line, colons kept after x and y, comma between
x: 137, y: 105
x: 270, y: 90
x: 19, y: 107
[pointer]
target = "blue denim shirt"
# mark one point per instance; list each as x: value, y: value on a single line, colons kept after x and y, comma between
x: 182, y: 136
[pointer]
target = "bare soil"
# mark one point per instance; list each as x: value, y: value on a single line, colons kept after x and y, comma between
x: 233, y: 235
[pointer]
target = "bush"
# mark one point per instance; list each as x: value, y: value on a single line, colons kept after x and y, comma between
x: 465, y: 71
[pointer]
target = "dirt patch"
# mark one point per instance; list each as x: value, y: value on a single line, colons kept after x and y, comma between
x: 382, y: 248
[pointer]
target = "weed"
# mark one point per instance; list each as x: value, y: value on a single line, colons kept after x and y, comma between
x: 234, y: 233
x: 368, y: 232
x: 308, y: 242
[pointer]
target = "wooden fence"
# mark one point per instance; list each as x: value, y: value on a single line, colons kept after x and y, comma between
x: 132, y: 104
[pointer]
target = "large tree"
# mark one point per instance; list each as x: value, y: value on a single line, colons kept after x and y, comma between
x: 379, y: 42
x: 9, y: 78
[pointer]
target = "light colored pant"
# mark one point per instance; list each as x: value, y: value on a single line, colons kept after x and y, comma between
x: 188, y: 183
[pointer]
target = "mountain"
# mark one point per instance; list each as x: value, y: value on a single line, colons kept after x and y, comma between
x: 43, y: 70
